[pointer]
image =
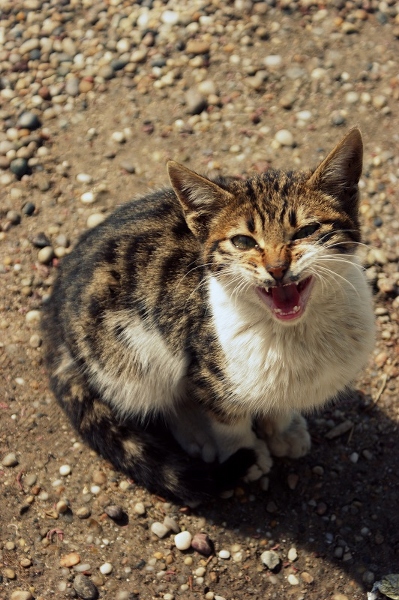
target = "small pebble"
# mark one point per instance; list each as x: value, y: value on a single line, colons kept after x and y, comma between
x: 106, y: 568
x: 270, y: 559
x: 65, y: 470
x: 85, y: 588
x: 88, y: 198
x: 159, y: 529
x: 183, y: 540
x: 292, y: 554
x: 114, y: 511
x: 45, y: 255
x: 139, y: 508
x: 284, y: 137
x: 10, y: 460
x: 95, y: 219
x: 225, y: 554
x: 21, y: 595
x: 69, y: 560
x: 292, y: 579
x: 202, y: 544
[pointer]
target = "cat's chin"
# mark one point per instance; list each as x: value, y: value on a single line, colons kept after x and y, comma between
x: 287, y: 302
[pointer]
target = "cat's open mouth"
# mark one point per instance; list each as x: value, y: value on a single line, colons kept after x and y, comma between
x: 287, y: 302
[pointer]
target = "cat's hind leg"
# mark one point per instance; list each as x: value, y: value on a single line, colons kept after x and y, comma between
x: 286, y: 434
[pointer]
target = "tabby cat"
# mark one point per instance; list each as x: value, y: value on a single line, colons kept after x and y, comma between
x: 186, y: 334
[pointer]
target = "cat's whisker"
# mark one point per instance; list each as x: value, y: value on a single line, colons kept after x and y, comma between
x: 335, y: 276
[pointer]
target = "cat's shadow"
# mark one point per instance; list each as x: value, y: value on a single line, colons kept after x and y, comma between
x: 339, y: 503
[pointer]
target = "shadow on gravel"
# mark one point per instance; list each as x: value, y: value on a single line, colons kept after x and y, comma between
x: 344, y: 505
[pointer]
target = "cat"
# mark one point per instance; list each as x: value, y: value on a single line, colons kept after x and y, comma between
x: 188, y: 332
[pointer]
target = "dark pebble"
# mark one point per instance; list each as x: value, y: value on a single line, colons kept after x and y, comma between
x: 118, y: 64
x: 378, y: 222
x: 338, y: 119
x: 114, y: 512
x: 158, y: 62
x: 40, y: 240
x: 202, y: 544
x: 29, y: 120
x: 85, y: 588
x: 20, y: 167
x: 28, y: 209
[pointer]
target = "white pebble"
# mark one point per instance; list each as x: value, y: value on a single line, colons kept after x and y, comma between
x: 10, y: 460
x: 354, y: 457
x: 106, y: 568
x: 84, y: 178
x: 94, y: 220
x: 200, y: 572
x: 159, y: 529
x: 304, y: 115
x: 170, y: 17
x: 292, y: 554
x: 183, y: 540
x: 293, y: 580
x: 45, y: 255
x: 273, y: 60
x: 65, y: 470
x: 95, y: 489
x: 88, y: 198
x: 224, y: 554
x: 118, y: 136
x: 139, y: 508
x: 284, y: 137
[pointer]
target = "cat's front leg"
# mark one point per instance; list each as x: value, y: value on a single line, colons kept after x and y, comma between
x: 232, y: 436
x: 286, y: 434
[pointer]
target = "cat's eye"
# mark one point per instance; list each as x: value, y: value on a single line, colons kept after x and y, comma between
x: 306, y: 231
x: 244, y: 242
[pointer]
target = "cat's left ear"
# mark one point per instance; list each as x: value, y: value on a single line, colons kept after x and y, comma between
x: 200, y: 198
x: 338, y: 175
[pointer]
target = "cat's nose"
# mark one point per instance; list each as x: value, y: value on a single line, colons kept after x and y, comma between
x: 277, y: 271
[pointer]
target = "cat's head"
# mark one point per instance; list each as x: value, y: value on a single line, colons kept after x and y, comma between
x: 279, y: 234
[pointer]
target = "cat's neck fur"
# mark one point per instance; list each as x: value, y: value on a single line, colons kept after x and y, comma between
x: 295, y: 366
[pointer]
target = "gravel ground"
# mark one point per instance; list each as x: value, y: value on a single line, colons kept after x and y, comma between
x: 95, y: 96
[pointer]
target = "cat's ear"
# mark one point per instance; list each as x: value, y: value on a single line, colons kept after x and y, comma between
x: 338, y: 175
x: 200, y: 198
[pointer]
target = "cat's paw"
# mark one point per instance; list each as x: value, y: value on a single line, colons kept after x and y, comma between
x: 263, y: 462
x: 293, y: 442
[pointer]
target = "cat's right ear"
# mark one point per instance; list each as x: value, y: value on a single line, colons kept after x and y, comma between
x: 200, y: 198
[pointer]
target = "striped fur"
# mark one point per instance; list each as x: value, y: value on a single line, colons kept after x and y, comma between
x: 188, y: 331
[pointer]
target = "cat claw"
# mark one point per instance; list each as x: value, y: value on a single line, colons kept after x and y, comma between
x: 294, y: 442
x: 263, y: 462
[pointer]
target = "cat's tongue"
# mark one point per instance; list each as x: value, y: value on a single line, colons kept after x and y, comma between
x: 286, y: 298
x: 287, y: 302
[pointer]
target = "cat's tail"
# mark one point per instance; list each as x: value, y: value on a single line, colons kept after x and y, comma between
x: 148, y: 454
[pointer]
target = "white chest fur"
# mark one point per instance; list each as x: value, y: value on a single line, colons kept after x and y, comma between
x: 273, y: 367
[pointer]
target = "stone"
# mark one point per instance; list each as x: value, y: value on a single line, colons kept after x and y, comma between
x: 29, y: 121
x: 20, y: 167
x: 183, y: 540
x: 45, y: 255
x: 159, y: 529
x: 21, y: 595
x: 270, y: 559
x: 85, y: 588
x: 106, y: 568
x: 202, y: 543
x: 195, y: 102
x: 10, y: 460
x: 284, y: 137
x: 69, y: 560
